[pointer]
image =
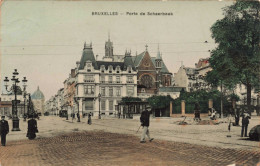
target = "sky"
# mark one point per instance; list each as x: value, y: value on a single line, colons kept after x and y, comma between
x: 43, y: 40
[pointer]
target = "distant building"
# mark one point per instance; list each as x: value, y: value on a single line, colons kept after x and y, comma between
x: 38, y: 100
x: 193, y: 78
x: 67, y: 98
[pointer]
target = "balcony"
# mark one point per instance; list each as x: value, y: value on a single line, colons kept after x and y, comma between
x: 89, y: 80
x: 130, y: 82
x: 88, y: 95
x: 111, y: 82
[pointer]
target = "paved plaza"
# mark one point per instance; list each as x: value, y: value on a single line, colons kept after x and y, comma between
x: 113, y: 141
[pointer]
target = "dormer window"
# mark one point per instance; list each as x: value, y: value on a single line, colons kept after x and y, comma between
x: 110, y: 69
x: 129, y: 69
x: 102, y: 69
x: 88, y: 66
x: 118, y: 69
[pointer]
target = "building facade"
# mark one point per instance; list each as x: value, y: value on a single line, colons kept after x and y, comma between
x: 112, y: 80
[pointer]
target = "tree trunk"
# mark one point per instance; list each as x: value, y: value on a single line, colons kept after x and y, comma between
x: 248, y: 94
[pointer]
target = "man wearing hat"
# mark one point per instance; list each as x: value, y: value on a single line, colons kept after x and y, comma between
x: 4, y: 129
x: 145, y: 120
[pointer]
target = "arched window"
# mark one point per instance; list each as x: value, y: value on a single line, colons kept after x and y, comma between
x: 129, y: 69
x: 118, y: 69
x: 102, y: 68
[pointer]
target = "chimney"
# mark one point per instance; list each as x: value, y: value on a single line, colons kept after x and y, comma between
x: 77, y: 64
x: 73, y: 73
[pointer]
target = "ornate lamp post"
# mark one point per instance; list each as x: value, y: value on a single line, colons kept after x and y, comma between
x: 99, y: 98
x: 29, y: 100
x: 77, y: 101
x: 16, y: 81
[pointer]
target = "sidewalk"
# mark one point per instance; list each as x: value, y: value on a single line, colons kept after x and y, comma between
x: 160, y: 128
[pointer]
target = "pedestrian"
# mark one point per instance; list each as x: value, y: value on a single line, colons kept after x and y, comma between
x: 89, y: 119
x: 213, y: 114
x: 237, y: 116
x: 32, y: 128
x: 245, y: 122
x: 4, y: 130
x: 197, y: 112
x: 145, y: 122
x: 78, y: 116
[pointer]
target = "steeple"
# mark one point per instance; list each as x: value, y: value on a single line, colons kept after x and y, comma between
x: 158, y: 59
x: 109, y: 47
x: 158, y: 53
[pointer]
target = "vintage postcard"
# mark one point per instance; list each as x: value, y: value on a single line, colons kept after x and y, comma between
x: 129, y: 83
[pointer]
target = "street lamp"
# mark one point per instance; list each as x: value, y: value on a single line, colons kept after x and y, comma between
x: 16, y: 81
x: 29, y: 100
x: 99, y: 98
x: 77, y: 101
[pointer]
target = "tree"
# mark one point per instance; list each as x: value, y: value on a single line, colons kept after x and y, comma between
x: 159, y: 102
x: 130, y: 99
x: 236, y: 60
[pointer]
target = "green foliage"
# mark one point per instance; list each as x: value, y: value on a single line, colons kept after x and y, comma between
x: 234, y: 97
x: 236, y: 59
x: 130, y: 99
x: 202, y: 97
x: 159, y: 102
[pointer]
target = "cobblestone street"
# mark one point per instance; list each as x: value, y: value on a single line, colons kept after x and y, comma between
x: 101, y: 148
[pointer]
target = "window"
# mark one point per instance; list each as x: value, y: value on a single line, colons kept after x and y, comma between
x: 111, y: 91
x: 102, y: 69
x: 130, y: 79
x: 129, y: 69
x: 117, y: 69
x: 117, y: 79
x: 118, y: 91
x: 102, y: 79
x: 89, y: 104
x: 110, y: 69
x: 89, y: 89
x: 110, y: 105
x: 110, y: 79
x: 130, y: 91
x: 103, y: 105
x: 103, y: 91
x: 89, y: 67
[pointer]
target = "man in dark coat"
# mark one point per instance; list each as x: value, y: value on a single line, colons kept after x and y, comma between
x: 32, y: 128
x: 4, y: 130
x: 245, y: 122
x: 145, y: 122
x: 89, y: 119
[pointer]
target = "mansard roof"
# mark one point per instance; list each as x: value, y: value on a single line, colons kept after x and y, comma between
x: 87, y: 55
x: 107, y: 63
x: 164, y: 68
x: 122, y: 65
x: 139, y: 58
x: 128, y: 62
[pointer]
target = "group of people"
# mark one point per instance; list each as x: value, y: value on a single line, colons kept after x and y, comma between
x: 4, y: 129
x: 78, y: 116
